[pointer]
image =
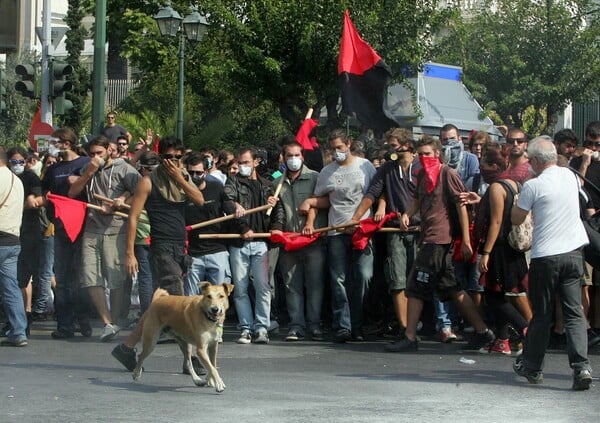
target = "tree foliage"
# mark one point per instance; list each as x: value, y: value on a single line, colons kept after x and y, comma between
x: 526, y: 60
x: 264, y: 63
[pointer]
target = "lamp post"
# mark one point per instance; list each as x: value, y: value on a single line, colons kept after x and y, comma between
x: 193, y: 27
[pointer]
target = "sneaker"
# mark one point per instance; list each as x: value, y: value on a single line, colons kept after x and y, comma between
x: 261, y: 338
x: 342, y: 336
x: 245, y: 337
x: 62, y: 334
x: 593, y: 337
x: 447, y: 336
x: 125, y: 355
x: 198, y: 367
x: 358, y: 336
x: 501, y: 346
x: 404, y: 345
x: 14, y: 342
x: 5, y: 329
x: 317, y: 335
x: 533, y: 377
x: 39, y: 316
x: 487, y: 348
x: 109, y: 332
x: 85, y: 328
x: 480, y: 340
x: 294, y: 336
x: 582, y: 380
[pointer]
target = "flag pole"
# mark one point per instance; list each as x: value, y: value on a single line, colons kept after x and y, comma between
x: 226, y: 218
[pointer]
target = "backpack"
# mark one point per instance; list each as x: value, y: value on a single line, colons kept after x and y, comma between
x: 519, y: 237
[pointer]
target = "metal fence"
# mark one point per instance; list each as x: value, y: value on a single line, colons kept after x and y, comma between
x: 584, y: 113
x: 117, y: 90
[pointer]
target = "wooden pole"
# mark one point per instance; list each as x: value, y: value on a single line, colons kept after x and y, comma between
x: 226, y: 218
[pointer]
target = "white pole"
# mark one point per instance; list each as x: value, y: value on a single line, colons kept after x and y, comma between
x: 46, y: 103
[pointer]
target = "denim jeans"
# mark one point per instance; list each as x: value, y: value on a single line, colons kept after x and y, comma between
x: 144, y: 276
x: 252, y: 259
x: 304, y: 271
x: 70, y: 301
x: 11, y: 293
x: 351, y: 272
x: 213, y: 268
x: 46, y: 272
x: 442, y: 314
x: 548, y: 276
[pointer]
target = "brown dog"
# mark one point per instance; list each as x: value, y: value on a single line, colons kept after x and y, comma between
x: 193, y: 320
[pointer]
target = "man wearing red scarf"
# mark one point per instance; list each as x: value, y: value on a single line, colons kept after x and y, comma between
x: 438, y: 190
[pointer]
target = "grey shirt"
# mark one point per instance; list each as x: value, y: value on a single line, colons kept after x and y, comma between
x: 111, y: 182
x: 345, y: 186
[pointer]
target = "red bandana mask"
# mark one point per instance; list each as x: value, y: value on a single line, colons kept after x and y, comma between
x: 431, y: 167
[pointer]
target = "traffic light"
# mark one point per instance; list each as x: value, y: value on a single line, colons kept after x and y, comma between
x: 26, y: 86
x: 59, y: 86
x: 2, y: 90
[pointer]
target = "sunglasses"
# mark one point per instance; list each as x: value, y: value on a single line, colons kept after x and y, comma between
x: 16, y: 162
x: 196, y: 172
x: 172, y: 156
x: 122, y: 143
x: 592, y: 143
x: 516, y: 140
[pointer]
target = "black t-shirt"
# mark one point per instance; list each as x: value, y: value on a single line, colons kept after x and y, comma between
x: 214, y: 197
x: 593, y: 175
x: 31, y: 217
x: 113, y: 132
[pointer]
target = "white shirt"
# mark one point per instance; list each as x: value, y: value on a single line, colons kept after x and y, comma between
x: 11, y: 212
x: 553, y: 198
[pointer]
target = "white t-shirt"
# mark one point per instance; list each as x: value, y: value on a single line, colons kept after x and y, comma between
x: 345, y: 186
x: 11, y: 212
x: 553, y: 197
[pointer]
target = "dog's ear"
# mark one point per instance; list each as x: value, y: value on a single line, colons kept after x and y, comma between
x: 228, y: 288
x: 204, y: 286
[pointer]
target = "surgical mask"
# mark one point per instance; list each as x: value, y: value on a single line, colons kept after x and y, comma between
x: 37, y: 168
x: 198, y: 178
x: 245, y: 170
x: 596, y: 156
x: 294, y: 163
x: 53, y: 150
x: 340, y: 156
x: 18, y: 169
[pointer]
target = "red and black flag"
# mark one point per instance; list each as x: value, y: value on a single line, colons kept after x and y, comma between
x: 364, y: 78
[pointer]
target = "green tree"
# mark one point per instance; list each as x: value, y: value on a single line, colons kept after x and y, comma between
x: 264, y: 62
x: 526, y: 60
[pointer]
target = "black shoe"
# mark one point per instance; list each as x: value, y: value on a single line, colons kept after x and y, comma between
x: 593, y: 337
x: 29, y: 322
x: 62, y: 334
x: 582, y: 380
x: 85, y: 328
x: 534, y: 377
x: 39, y: 317
x: 403, y: 345
x: 125, y: 356
x: 358, y: 336
x: 480, y: 340
x: 5, y: 329
x: 198, y: 368
x: 341, y: 336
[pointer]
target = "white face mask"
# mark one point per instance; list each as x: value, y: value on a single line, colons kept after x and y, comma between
x: 53, y: 150
x: 294, y: 163
x: 18, y: 169
x: 596, y: 156
x: 245, y: 170
x: 340, y: 156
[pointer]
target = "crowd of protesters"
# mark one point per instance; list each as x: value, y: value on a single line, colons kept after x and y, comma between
x: 440, y: 262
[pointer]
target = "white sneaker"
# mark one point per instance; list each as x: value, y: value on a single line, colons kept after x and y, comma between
x: 109, y: 332
x: 245, y: 337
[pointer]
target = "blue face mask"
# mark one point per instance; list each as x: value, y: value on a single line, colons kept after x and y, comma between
x: 340, y: 156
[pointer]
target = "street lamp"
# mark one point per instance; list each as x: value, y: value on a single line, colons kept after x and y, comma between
x: 193, y: 27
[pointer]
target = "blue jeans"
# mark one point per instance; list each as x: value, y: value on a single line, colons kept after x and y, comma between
x: 144, y: 276
x: 251, y: 259
x: 304, y: 271
x: 351, y: 272
x: 11, y: 293
x: 442, y: 314
x: 548, y: 276
x: 46, y: 272
x: 213, y: 268
x: 70, y: 301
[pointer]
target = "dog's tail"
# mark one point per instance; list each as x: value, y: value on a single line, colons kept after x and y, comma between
x: 159, y: 293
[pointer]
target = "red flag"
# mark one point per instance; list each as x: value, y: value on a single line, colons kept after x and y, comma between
x: 155, y: 145
x: 70, y: 212
x: 364, y: 77
x: 366, y: 229
x: 293, y: 241
x: 303, y: 135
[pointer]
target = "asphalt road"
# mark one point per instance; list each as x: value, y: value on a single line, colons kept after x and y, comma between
x: 78, y: 381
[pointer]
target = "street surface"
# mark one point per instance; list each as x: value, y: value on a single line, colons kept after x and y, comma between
x: 79, y: 381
